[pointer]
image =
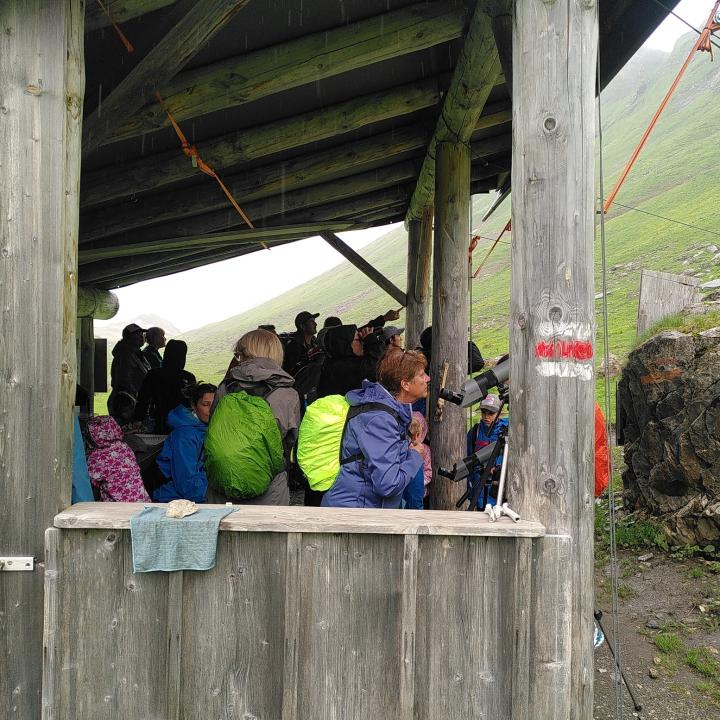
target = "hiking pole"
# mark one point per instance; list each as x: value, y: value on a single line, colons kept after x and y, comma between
x: 598, y: 615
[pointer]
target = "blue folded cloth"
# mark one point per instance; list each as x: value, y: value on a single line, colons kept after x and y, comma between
x: 167, y: 544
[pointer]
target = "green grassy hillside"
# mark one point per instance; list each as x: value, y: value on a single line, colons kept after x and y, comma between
x: 676, y: 177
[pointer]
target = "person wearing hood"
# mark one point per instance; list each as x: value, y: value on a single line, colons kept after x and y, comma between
x: 128, y: 370
x: 163, y: 389
x: 111, y: 464
x: 259, y: 373
x: 181, y: 459
x: 352, y: 356
x: 378, y: 459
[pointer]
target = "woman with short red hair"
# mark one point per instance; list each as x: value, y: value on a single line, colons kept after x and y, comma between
x: 377, y: 459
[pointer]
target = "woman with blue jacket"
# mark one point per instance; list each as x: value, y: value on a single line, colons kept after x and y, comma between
x: 378, y: 460
x: 181, y: 459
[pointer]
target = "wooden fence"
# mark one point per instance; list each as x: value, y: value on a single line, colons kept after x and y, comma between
x: 663, y: 294
x: 308, y: 614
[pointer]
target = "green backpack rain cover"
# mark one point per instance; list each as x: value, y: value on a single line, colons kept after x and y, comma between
x: 243, y: 446
x: 319, y: 438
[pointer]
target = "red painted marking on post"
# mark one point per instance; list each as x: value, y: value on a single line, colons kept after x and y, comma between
x: 579, y: 350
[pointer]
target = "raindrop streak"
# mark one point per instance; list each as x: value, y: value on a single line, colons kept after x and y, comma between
x: 99, y: 106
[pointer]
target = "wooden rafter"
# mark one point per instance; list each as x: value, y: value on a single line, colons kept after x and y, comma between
x: 475, y: 75
x: 155, y: 171
x: 121, y: 11
x: 276, y: 179
x: 239, y: 80
x: 365, y: 267
x: 197, y: 25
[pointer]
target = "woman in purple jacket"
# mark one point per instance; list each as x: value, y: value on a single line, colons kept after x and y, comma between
x: 378, y: 460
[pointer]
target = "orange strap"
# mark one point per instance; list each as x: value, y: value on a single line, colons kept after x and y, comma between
x: 192, y: 152
x: 703, y: 43
x: 507, y: 228
x: 120, y: 34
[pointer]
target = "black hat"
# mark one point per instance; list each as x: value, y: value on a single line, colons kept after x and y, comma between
x: 302, y: 317
x: 131, y: 329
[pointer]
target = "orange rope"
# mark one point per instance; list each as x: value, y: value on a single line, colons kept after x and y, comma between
x: 192, y: 152
x: 121, y: 35
x: 507, y: 228
x: 702, y: 44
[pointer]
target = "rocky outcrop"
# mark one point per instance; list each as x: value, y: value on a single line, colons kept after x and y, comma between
x: 669, y: 409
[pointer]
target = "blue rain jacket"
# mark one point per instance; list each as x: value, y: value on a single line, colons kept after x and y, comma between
x: 388, y: 464
x: 182, y: 460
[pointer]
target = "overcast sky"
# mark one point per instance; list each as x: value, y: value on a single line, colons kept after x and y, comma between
x: 211, y: 293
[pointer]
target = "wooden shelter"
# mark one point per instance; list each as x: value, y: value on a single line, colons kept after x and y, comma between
x: 317, y: 116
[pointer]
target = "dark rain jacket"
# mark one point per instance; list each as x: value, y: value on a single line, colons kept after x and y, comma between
x: 343, y: 370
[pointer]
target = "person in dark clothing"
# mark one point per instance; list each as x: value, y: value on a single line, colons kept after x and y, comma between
x: 475, y: 359
x: 155, y: 339
x: 353, y: 355
x: 127, y: 372
x: 302, y: 344
x: 162, y: 389
x: 332, y: 321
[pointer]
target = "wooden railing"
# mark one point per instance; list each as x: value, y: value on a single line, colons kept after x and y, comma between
x: 308, y: 613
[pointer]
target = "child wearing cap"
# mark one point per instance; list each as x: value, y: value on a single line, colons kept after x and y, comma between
x: 482, y: 434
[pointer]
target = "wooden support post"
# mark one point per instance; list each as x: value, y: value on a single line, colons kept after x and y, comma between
x: 475, y: 75
x: 418, y: 278
x: 365, y: 267
x: 86, y: 358
x: 450, y: 312
x: 42, y: 77
x: 552, y: 330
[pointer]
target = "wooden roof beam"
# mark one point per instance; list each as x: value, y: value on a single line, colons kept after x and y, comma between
x: 198, y: 23
x: 475, y: 75
x: 312, y: 196
x: 248, y: 77
x: 156, y: 171
x: 244, y: 236
x: 121, y: 11
x: 365, y: 267
x: 269, y: 180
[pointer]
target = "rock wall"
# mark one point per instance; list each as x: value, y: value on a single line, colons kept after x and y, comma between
x: 669, y: 409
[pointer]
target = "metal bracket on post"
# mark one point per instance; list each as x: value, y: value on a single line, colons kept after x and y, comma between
x: 15, y: 564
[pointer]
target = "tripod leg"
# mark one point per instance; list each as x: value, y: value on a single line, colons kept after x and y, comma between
x: 598, y: 615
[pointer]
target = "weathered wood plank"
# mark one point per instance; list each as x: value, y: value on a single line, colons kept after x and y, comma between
x: 351, y: 599
x: 114, y: 631
x: 255, y: 142
x: 522, y: 592
x: 174, y: 645
x: 297, y: 62
x: 42, y: 79
x: 96, y: 303
x: 122, y: 11
x: 450, y: 306
x: 233, y: 634
x: 365, y: 267
x: 116, y: 516
x: 52, y: 624
x: 663, y: 294
x: 551, y: 469
x: 462, y: 656
x: 291, y: 659
x: 198, y: 24
x: 408, y: 615
x: 475, y: 74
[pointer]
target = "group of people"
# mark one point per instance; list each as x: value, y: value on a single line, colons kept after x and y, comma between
x: 217, y: 435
